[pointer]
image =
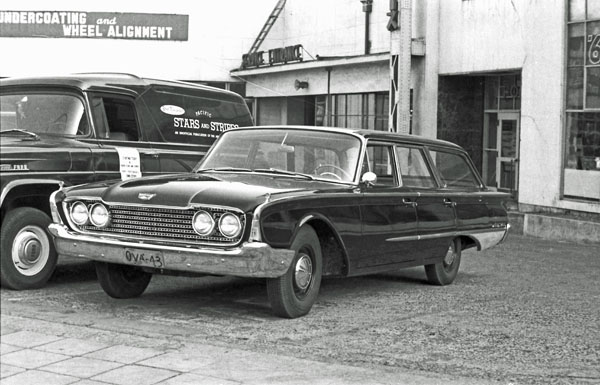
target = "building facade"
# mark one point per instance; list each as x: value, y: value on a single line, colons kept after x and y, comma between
x: 517, y: 83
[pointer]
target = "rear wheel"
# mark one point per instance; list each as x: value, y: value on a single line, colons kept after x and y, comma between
x: 122, y: 281
x: 293, y: 294
x: 444, y: 272
x: 27, y: 253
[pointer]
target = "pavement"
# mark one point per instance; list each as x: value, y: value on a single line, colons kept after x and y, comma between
x: 35, y: 351
x: 556, y: 227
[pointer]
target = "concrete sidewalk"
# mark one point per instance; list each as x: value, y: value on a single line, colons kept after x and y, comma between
x: 34, y: 351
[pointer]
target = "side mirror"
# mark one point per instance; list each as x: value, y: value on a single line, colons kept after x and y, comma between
x: 369, y: 178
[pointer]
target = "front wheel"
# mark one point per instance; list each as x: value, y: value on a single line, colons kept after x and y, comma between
x: 293, y: 294
x: 444, y: 272
x: 27, y: 253
x: 122, y: 281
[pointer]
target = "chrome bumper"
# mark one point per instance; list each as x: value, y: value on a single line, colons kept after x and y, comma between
x: 253, y: 259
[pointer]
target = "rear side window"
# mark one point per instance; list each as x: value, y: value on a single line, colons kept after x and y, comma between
x: 194, y: 119
x: 454, y: 170
x: 413, y: 168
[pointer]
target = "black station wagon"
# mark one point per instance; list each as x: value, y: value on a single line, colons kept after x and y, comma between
x: 289, y: 204
x: 84, y: 128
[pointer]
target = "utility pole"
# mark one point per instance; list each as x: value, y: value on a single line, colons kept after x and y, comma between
x: 400, y: 27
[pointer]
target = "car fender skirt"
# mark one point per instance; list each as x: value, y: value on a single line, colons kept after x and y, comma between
x: 252, y: 259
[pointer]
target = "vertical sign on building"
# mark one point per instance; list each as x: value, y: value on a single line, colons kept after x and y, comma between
x: 400, y: 27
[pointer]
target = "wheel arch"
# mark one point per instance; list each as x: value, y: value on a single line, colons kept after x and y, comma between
x: 27, y: 193
x: 333, y: 250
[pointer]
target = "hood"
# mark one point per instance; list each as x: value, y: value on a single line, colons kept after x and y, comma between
x: 24, y: 153
x: 244, y: 191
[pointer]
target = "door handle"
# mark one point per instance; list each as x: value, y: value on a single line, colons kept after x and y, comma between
x: 449, y: 203
x: 408, y: 202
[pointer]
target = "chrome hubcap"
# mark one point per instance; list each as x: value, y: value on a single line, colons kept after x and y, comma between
x: 30, y: 250
x: 450, y: 256
x: 303, y: 272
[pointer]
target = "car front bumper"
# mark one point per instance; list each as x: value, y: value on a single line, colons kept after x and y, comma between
x: 251, y: 259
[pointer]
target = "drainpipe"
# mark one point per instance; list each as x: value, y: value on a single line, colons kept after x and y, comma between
x: 328, y: 103
x: 367, y: 8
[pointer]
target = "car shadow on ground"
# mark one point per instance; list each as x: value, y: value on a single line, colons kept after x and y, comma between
x: 73, y: 272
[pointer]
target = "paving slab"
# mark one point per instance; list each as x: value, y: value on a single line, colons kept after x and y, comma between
x: 32, y: 359
x: 9, y: 370
x: 196, y: 379
x: 38, y: 377
x: 73, y: 346
x: 28, y: 339
x: 135, y: 374
x: 6, y: 348
x: 124, y: 354
x: 82, y: 367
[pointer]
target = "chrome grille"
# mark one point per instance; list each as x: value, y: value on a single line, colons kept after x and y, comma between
x: 158, y: 223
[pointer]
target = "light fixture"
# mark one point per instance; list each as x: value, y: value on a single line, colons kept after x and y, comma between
x: 300, y: 84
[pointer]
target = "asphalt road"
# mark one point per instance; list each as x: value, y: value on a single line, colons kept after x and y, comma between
x: 524, y: 312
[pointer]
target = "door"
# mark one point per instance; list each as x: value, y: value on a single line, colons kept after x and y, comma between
x: 389, y: 221
x: 501, y: 151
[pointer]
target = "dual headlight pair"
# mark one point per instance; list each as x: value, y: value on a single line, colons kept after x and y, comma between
x: 97, y: 214
x: 229, y: 224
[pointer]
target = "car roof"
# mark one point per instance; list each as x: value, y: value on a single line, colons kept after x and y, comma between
x: 370, y: 134
x: 110, y: 81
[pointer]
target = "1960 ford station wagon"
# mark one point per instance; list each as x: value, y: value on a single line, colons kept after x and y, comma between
x: 290, y: 204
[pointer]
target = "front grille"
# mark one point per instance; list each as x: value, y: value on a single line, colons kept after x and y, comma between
x: 164, y: 224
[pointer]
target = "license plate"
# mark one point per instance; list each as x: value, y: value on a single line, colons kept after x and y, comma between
x: 144, y: 258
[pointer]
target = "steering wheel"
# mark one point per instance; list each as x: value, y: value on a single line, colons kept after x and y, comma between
x: 333, y: 166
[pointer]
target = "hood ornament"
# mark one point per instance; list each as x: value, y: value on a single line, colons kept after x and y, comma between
x: 146, y: 196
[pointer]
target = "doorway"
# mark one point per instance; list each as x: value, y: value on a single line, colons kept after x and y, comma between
x: 501, y: 151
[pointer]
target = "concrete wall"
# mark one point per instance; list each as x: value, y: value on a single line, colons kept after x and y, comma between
x: 219, y: 33
x: 528, y: 35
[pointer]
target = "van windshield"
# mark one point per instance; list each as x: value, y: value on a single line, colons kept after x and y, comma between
x: 43, y: 113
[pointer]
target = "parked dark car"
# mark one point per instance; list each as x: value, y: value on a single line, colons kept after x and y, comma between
x: 290, y: 204
x: 91, y: 127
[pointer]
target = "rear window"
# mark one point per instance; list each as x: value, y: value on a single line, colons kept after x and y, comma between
x: 195, y: 119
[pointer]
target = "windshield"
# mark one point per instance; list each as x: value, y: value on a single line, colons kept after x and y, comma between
x: 326, y: 155
x: 43, y: 114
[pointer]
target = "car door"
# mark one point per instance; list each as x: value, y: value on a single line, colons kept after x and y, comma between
x: 444, y: 211
x: 464, y: 188
x: 389, y: 221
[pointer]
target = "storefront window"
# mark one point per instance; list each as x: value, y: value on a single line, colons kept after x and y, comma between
x: 582, y: 131
x: 365, y: 111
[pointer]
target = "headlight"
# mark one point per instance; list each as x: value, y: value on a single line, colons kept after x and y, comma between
x: 230, y: 225
x: 99, y: 215
x: 79, y: 213
x: 203, y: 223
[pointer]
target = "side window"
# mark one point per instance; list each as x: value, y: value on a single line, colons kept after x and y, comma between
x: 115, y: 119
x: 454, y: 170
x: 413, y: 167
x: 379, y: 160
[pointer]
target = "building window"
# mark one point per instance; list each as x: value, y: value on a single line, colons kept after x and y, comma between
x: 582, y: 133
x: 366, y: 111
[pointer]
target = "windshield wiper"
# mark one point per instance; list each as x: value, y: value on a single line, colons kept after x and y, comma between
x: 227, y: 169
x: 283, y: 172
x: 19, y: 131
